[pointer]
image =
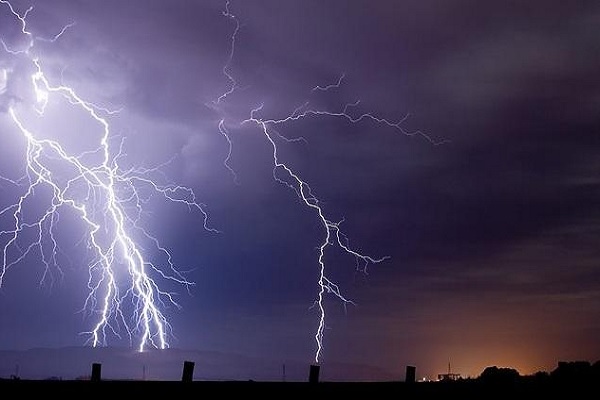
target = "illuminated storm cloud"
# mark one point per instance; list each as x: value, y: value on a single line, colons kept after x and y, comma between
x: 85, y: 172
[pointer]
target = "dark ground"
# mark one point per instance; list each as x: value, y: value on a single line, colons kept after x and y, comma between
x: 369, y: 390
x: 579, y: 379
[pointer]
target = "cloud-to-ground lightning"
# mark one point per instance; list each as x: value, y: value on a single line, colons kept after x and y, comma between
x: 125, y: 292
x: 333, y: 235
x: 288, y: 176
x: 125, y: 286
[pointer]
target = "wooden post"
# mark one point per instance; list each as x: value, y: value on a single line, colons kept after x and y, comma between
x: 96, y: 372
x: 411, y: 374
x: 188, y: 371
x: 313, y: 376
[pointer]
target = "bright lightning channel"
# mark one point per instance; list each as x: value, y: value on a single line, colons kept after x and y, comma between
x: 287, y: 176
x: 102, y: 194
x: 284, y: 174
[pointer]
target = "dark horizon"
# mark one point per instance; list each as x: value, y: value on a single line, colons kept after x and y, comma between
x: 569, y: 379
x: 123, y: 364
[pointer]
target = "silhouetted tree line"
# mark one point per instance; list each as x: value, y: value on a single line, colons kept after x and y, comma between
x: 570, y: 380
x: 567, y: 372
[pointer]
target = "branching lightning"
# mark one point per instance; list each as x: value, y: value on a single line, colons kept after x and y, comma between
x: 108, y: 200
x: 333, y: 235
x: 284, y: 174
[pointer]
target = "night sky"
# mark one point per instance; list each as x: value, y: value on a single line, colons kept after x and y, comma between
x: 486, y: 197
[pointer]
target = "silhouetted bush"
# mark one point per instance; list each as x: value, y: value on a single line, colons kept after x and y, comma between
x: 575, y: 371
x: 541, y: 376
x: 499, y: 376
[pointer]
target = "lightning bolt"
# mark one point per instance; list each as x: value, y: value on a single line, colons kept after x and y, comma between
x: 108, y: 200
x: 283, y: 173
x: 330, y: 86
x: 333, y: 235
x: 227, y: 67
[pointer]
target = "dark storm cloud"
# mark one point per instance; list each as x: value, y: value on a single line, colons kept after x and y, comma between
x: 502, y: 216
x: 533, y: 83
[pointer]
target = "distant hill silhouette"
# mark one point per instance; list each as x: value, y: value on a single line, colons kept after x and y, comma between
x: 70, y: 363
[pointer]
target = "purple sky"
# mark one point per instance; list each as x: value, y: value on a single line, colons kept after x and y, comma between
x: 493, y: 235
